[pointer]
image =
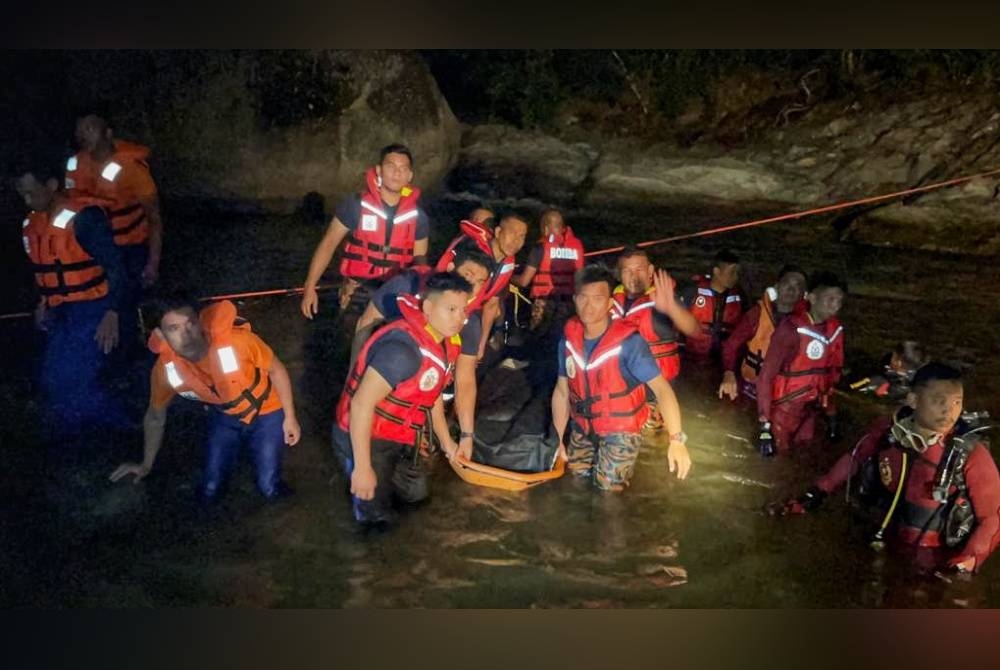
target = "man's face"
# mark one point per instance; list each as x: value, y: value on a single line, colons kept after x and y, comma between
x: 636, y: 274
x: 510, y: 235
x: 90, y: 131
x: 727, y: 274
x: 475, y: 274
x: 37, y: 196
x: 445, y: 311
x: 183, y: 332
x: 826, y: 302
x: 790, y: 290
x: 553, y: 224
x: 593, y: 303
x: 938, y: 405
x: 396, y: 172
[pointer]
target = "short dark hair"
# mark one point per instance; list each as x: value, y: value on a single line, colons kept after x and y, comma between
x: 935, y: 371
x: 725, y: 257
x: 467, y: 251
x: 156, y: 307
x: 593, y: 274
x: 911, y: 352
x: 630, y: 250
x: 513, y: 214
x: 826, y: 279
x: 395, y: 149
x: 446, y: 281
x: 789, y: 268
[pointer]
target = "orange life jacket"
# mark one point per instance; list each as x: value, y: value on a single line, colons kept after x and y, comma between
x: 499, y: 277
x: 810, y: 373
x: 378, y: 247
x: 761, y: 340
x: 641, y: 315
x: 234, y: 386
x: 402, y: 415
x: 84, y: 176
x: 601, y: 401
x: 562, y: 256
x: 64, y: 271
x: 716, y: 314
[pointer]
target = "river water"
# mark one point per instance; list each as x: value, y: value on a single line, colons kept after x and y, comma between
x: 77, y: 540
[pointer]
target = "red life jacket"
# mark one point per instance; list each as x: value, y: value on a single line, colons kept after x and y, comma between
x: 84, y: 176
x: 562, y: 256
x: 379, y: 247
x: 716, y: 314
x: 820, y: 356
x: 641, y: 315
x: 403, y: 414
x: 601, y: 401
x: 64, y: 271
x: 499, y: 277
x: 235, y: 386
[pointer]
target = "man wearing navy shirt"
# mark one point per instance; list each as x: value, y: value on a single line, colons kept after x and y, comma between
x: 605, y: 367
x: 382, y: 229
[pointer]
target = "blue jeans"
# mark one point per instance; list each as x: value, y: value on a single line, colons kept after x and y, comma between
x: 265, y: 440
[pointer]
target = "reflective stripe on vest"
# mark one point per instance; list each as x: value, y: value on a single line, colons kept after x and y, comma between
x: 111, y: 171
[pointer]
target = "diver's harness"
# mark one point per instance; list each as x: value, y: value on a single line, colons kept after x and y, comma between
x: 958, y: 515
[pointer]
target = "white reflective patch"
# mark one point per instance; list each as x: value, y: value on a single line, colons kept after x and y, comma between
x: 26, y: 223
x: 406, y: 217
x: 772, y: 293
x: 27, y: 244
x: 705, y: 291
x: 606, y: 356
x: 227, y: 358
x: 508, y: 267
x: 813, y: 334
x: 172, y: 377
x: 369, y: 222
x: 111, y: 171
x: 430, y: 355
x: 372, y: 208
x: 563, y: 253
x: 576, y: 356
x: 641, y: 306
x: 63, y: 218
x: 836, y: 333
x: 190, y: 395
x: 70, y: 163
x: 70, y: 183
x: 732, y: 298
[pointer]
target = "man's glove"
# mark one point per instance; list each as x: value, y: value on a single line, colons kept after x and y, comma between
x: 807, y: 502
x: 765, y: 441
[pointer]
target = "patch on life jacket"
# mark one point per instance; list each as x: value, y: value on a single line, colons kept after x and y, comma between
x: 190, y: 395
x: 429, y: 379
x: 815, y: 350
x: 563, y: 253
x: 369, y: 222
x: 700, y: 302
x: 885, y: 471
x: 570, y: 367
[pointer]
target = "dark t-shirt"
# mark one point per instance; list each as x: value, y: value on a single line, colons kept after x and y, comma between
x: 396, y: 356
x: 349, y: 213
x: 635, y: 360
x: 535, y: 256
x: 93, y: 232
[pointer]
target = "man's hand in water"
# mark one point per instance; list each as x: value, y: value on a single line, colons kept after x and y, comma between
x: 805, y: 503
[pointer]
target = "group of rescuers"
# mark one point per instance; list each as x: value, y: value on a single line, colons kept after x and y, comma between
x: 93, y: 238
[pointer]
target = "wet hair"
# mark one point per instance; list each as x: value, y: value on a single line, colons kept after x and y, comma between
x: 935, y: 371
x: 513, y: 214
x: 826, y: 279
x: 468, y: 251
x: 789, y: 268
x: 593, y: 274
x: 631, y: 250
x: 911, y: 353
x: 395, y: 149
x: 446, y: 281
x: 156, y: 307
x: 725, y: 257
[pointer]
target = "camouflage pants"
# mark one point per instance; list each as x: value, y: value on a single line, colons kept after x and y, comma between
x: 655, y: 420
x: 610, y: 459
x: 550, y: 313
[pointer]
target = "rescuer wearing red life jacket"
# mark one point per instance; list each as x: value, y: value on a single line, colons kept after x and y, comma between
x: 393, y: 396
x: 549, y: 271
x: 645, y: 299
x: 212, y: 356
x: 80, y: 276
x: 383, y: 229
x: 118, y: 171
x: 604, y: 369
x: 744, y: 349
x: 716, y: 303
x: 929, y: 473
x: 801, y: 368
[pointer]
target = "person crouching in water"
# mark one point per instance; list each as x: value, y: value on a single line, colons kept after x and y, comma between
x: 605, y: 367
x: 211, y: 355
x: 646, y: 299
x: 801, y: 368
x: 931, y: 472
x: 393, y: 395
x: 754, y: 330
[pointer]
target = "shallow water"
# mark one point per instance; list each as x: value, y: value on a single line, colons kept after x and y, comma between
x: 78, y: 540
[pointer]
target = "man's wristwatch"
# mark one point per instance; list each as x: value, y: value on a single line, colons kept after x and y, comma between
x: 680, y: 438
x: 462, y: 436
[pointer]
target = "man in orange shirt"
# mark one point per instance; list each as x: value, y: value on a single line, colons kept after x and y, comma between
x: 117, y: 171
x: 212, y: 356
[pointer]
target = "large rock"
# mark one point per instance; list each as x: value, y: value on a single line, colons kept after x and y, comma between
x: 502, y: 162
x: 270, y: 127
